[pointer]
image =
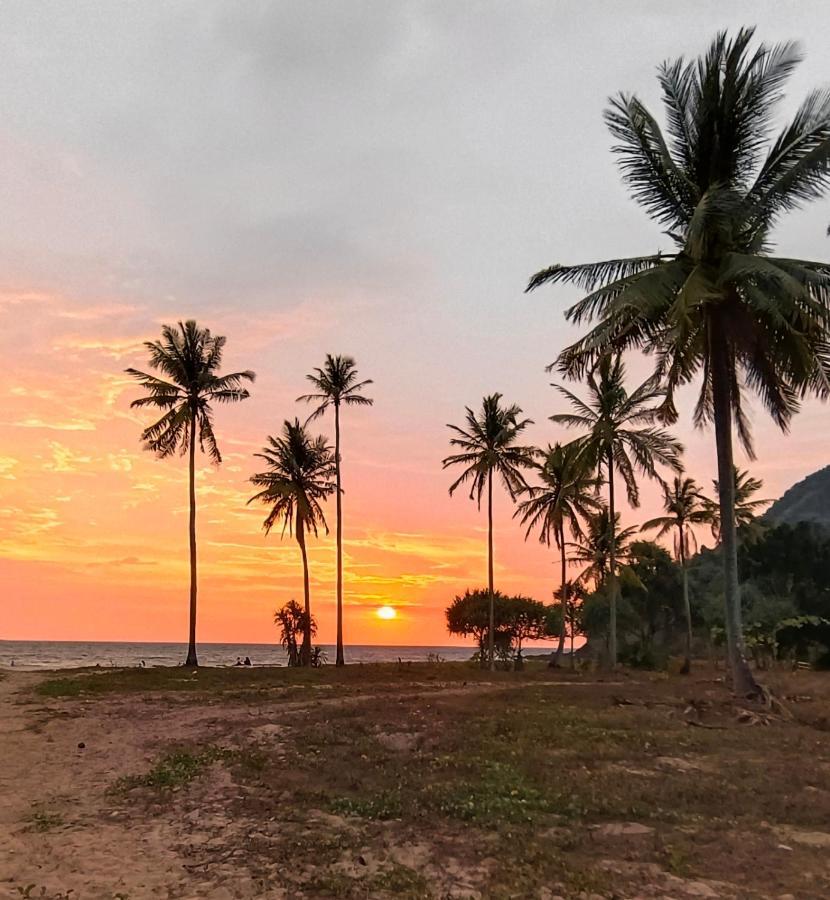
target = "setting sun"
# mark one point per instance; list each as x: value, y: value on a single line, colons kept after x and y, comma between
x: 387, y: 612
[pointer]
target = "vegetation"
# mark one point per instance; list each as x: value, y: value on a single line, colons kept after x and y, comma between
x: 488, y: 445
x: 719, y: 303
x: 685, y: 508
x: 297, y: 480
x: 336, y: 385
x: 293, y: 622
x: 189, y: 358
x: 620, y: 438
x: 565, y: 496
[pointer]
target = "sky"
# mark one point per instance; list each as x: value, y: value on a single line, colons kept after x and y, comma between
x: 371, y: 178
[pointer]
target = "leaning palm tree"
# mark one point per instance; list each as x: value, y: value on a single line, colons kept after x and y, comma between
x: 718, y: 303
x: 566, y: 495
x: 685, y: 507
x: 336, y: 385
x: 746, y: 507
x: 620, y: 438
x: 189, y: 358
x: 488, y: 445
x: 299, y: 476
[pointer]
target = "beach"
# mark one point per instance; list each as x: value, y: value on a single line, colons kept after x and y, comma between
x: 411, y: 780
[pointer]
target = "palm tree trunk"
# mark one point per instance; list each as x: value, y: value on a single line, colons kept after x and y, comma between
x: 742, y: 679
x: 687, y: 606
x: 563, y: 602
x: 612, y: 563
x: 191, y: 648
x: 492, y: 635
x: 305, y: 655
x: 341, y: 661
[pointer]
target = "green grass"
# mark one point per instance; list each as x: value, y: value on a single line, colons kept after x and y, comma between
x: 173, y: 770
x: 42, y: 821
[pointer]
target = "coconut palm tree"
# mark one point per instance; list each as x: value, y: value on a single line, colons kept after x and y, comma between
x: 488, y: 446
x: 685, y: 507
x: 566, y: 495
x: 719, y: 303
x: 299, y: 476
x: 620, y: 438
x: 188, y: 358
x: 746, y: 507
x: 336, y: 385
x: 596, y: 545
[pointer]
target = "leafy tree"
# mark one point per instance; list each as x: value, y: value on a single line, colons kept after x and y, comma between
x: 530, y: 620
x: 685, y: 507
x: 488, y: 445
x: 189, y: 359
x: 621, y: 438
x: 293, y: 622
x: 566, y: 495
x: 720, y: 303
x: 336, y: 385
x: 299, y: 476
x: 480, y: 614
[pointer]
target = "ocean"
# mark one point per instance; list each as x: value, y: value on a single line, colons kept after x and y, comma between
x: 75, y: 654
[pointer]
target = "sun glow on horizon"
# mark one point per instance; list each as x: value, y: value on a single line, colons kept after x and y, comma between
x: 386, y: 612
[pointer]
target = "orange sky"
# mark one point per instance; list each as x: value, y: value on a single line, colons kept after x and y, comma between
x: 303, y: 180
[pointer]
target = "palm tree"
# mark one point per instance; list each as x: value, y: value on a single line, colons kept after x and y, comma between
x: 189, y: 358
x: 336, y: 385
x: 488, y: 445
x: 719, y: 303
x: 685, y: 507
x: 746, y: 508
x: 598, y: 543
x: 572, y: 594
x: 620, y: 438
x: 566, y: 495
x: 297, y: 480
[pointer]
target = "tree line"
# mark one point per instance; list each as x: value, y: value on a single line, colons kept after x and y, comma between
x: 719, y: 309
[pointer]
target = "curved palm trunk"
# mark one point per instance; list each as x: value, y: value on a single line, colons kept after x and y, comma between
x: 341, y: 661
x: 191, y: 648
x: 563, y: 603
x: 492, y: 635
x: 612, y: 564
x: 687, y: 606
x: 305, y: 653
x: 742, y: 679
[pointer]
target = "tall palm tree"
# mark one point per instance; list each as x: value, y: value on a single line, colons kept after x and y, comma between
x: 621, y: 438
x: 336, y: 385
x: 746, y: 505
x: 685, y: 507
x: 719, y: 303
x: 488, y: 445
x: 566, y: 495
x: 299, y: 476
x: 189, y: 358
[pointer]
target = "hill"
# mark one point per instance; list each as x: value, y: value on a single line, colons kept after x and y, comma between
x: 806, y: 501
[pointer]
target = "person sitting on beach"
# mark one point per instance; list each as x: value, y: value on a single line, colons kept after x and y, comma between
x: 248, y: 661
x: 238, y: 661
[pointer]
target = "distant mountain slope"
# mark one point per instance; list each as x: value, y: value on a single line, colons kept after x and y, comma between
x: 807, y: 501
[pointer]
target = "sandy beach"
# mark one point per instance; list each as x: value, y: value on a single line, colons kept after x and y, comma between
x: 409, y: 781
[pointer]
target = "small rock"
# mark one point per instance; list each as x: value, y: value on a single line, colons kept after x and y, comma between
x: 622, y: 829
x: 81, y: 745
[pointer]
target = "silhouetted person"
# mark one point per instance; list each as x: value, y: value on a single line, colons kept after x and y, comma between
x: 248, y: 661
x: 238, y: 661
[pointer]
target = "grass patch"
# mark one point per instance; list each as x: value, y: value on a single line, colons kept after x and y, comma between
x: 41, y: 821
x: 173, y: 770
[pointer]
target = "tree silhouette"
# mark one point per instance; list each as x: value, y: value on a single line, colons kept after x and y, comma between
x: 189, y: 358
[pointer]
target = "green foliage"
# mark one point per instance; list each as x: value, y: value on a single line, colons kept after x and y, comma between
x: 173, y: 770
x: 292, y: 621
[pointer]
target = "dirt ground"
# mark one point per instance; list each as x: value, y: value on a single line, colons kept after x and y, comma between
x: 411, y: 781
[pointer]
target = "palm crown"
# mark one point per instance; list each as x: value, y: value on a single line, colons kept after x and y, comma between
x: 717, y: 185
x: 685, y: 507
x: 746, y: 505
x: 566, y: 495
x: 335, y: 383
x: 593, y: 547
x: 488, y: 445
x: 298, y: 478
x: 189, y: 358
x: 620, y: 425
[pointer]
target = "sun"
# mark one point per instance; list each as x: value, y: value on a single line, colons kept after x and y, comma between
x: 387, y: 612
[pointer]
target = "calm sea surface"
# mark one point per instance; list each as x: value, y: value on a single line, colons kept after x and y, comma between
x: 72, y: 654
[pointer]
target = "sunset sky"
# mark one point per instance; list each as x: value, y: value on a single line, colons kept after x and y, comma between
x: 377, y: 179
